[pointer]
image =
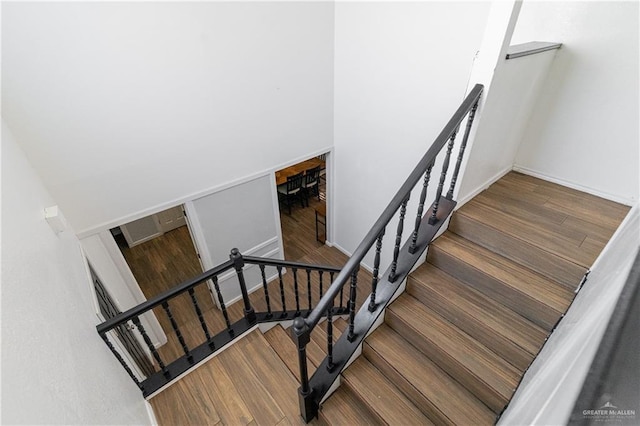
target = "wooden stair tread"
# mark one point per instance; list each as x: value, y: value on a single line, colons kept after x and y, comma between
x: 344, y: 408
x: 260, y: 375
x: 439, y: 396
x: 381, y: 396
x: 584, y: 206
x: 558, y: 269
x: 510, y: 335
x: 480, y: 370
x: 518, y: 288
x: 524, y: 279
x: 281, y: 342
x: 548, y: 238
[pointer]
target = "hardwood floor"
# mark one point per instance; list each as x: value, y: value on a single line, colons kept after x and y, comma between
x: 453, y: 347
x: 298, y: 228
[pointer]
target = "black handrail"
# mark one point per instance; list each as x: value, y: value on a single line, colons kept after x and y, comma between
x: 214, y: 340
x: 289, y: 264
x: 388, y: 213
x: 162, y: 297
x: 312, y: 390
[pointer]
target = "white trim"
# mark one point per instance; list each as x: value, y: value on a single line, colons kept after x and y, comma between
x: 195, y: 195
x: 349, y: 254
x: 152, y: 416
x: 276, y: 212
x: 198, y: 236
x: 632, y: 215
x: 606, y: 195
x: 262, y: 245
x: 461, y: 202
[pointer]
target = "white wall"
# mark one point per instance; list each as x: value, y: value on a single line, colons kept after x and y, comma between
x: 552, y: 384
x: 126, y: 108
x: 584, y: 130
x: 55, y: 368
x: 401, y: 70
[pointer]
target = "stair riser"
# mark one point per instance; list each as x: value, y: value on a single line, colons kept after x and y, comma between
x: 450, y: 365
x: 532, y: 309
x: 545, y: 263
x: 429, y: 409
x: 503, y: 346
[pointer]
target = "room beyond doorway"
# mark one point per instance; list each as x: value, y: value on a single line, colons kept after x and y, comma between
x: 165, y: 258
x: 304, y: 230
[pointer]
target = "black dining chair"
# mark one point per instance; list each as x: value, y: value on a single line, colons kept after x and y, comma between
x: 292, y: 189
x: 312, y: 183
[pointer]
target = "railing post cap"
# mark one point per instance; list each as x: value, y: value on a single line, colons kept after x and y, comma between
x: 299, y: 325
x: 234, y: 252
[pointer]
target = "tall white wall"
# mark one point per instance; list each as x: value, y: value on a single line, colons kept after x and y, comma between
x: 584, y: 130
x: 123, y: 107
x: 55, y: 368
x: 401, y: 70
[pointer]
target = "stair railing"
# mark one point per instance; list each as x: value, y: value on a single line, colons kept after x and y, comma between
x: 281, y: 301
x: 383, y: 286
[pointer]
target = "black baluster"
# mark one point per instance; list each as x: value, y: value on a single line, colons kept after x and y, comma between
x: 203, y: 324
x: 309, y: 289
x: 238, y: 264
x: 396, y: 249
x: 266, y: 290
x: 423, y: 196
x: 282, y: 296
x: 320, y: 277
x: 222, y: 306
x: 302, y: 337
x: 443, y: 175
x: 295, y: 290
x: 152, y: 348
x: 330, y: 337
x: 121, y: 360
x: 174, y: 325
x: 463, y: 145
x: 376, y: 267
x: 352, y: 303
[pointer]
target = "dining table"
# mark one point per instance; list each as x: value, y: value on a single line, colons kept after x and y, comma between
x: 282, y: 175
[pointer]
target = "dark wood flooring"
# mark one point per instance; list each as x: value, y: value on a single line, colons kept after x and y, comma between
x: 453, y: 347
x: 298, y: 228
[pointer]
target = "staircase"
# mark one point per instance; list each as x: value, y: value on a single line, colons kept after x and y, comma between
x: 456, y: 344
x: 453, y: 347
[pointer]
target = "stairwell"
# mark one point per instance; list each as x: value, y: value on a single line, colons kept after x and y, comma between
x: 456, y: 344
x: 454, y: 347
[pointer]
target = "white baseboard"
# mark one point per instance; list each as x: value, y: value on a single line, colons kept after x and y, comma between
x: 349, y: 254
x: 152, y: 416
x: 493, y: 179
x: 607, y: 196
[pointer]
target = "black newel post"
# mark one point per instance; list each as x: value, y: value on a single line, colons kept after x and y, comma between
x: 238, y: 264
x: 301, y: 337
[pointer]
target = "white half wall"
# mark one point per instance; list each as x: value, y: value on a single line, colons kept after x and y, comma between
x: 127, y: 108
x: 550, y: 387
x: 584, y: 129
x: 401, y: 70
x: 55, y: 367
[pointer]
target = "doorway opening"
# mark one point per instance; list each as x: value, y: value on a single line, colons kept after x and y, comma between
x: 303, y: 213
x: 161, y: 254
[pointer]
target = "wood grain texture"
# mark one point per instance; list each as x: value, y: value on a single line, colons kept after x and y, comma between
x: 474, y: 269
x: 430, y: 389
x: 489, y: 377
x: 381, y: 396
x: 454, y: 347
x: 505, y: 332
